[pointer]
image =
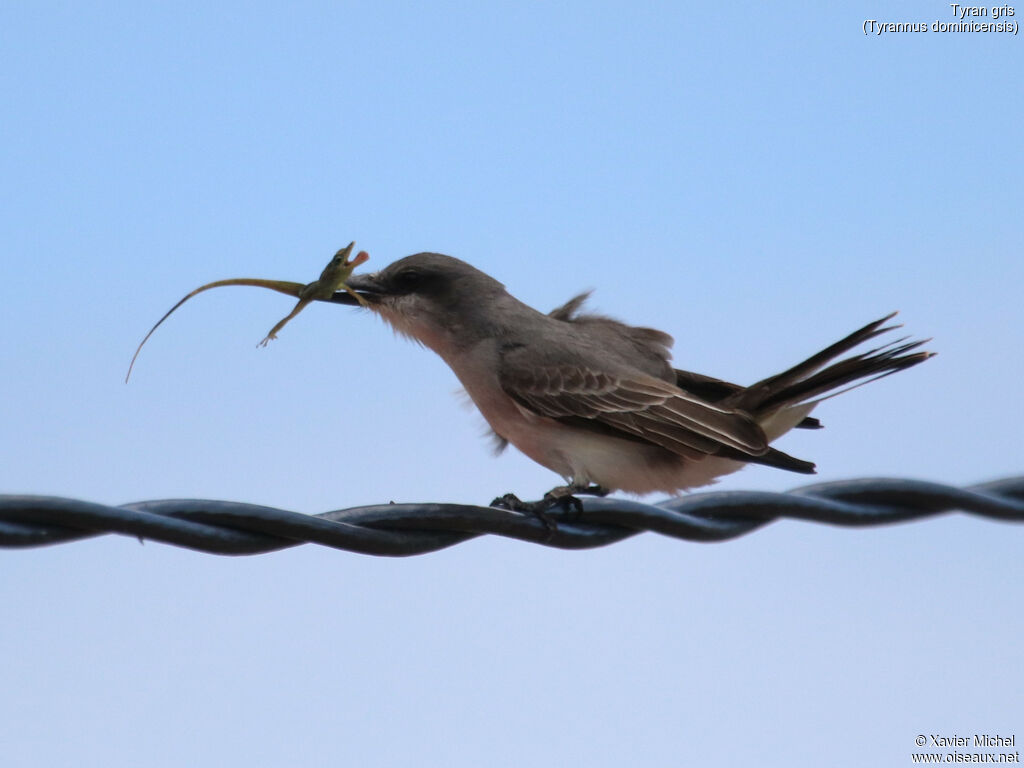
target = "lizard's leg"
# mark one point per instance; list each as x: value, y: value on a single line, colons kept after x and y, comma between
x: 283, y: 322
x: 356, y: 296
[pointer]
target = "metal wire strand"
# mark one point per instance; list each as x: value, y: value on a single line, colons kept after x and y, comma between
x: 234, y: 528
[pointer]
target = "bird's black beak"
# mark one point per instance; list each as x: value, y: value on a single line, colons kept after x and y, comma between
x: 366, y: 285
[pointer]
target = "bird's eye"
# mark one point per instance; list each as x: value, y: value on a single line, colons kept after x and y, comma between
x: 408, y: 279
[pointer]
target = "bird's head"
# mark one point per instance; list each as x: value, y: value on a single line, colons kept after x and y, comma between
x: 435, y: 299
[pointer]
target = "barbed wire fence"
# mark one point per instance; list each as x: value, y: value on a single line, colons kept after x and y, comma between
x: 397, y: 530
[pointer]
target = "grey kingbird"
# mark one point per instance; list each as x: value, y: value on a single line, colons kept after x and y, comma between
x: 597, y: 401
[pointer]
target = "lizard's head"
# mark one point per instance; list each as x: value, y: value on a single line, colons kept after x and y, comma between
x: 339, y: 267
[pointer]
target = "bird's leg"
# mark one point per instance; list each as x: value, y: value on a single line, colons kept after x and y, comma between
x: 560, y: 498
x: 588, y: 490
x: 566, y: 495
x: 539, y: 509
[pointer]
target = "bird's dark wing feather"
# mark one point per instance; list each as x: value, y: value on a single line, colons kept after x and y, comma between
x: 633, y: 404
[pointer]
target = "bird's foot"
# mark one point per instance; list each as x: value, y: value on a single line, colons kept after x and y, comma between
x: 542, y: 510
x: 559, y: 499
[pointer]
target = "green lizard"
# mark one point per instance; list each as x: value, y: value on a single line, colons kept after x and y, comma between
x: 331, y: 280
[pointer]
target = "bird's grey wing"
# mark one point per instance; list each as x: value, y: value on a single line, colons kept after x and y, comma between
x: 632, y: 404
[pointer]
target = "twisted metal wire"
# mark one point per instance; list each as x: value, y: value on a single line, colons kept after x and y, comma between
x: 235, y: 528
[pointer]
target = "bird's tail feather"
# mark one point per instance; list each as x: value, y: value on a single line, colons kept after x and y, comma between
x: 815, y: 378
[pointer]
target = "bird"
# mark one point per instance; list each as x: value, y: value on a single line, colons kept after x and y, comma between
x: 598, y: 401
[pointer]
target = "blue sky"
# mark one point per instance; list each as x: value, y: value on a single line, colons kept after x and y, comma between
x: 757, y: 180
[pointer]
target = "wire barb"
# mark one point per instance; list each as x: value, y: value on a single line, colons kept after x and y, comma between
x: 235, y: 528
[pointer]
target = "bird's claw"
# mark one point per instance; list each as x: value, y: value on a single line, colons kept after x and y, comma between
x: 556, y: 501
